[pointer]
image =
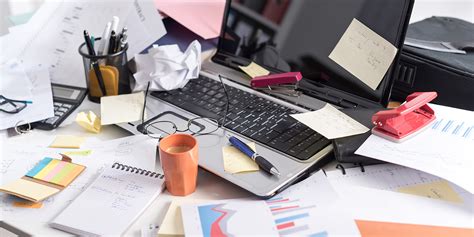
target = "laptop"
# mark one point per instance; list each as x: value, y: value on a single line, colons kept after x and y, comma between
x: 281, y: 36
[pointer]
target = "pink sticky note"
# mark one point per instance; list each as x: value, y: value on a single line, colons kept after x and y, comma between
x: 203, y: 17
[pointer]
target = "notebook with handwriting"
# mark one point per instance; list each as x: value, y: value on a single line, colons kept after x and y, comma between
x: 111, y: 203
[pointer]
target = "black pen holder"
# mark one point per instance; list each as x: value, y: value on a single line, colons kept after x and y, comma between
x: 113, y: 69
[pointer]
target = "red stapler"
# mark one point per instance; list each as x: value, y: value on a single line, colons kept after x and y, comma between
x: 407, y: 120
x: 285, y: 83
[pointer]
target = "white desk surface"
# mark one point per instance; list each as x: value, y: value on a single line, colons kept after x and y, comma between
x: 209, y: 185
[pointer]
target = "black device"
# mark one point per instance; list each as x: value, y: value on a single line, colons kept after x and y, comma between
x: 450, y: 75
x: 66, y: 100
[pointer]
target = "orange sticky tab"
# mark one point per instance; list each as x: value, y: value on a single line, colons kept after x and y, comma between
x: 27, y: 204
x: 67, y: 179
x: 388, y: 229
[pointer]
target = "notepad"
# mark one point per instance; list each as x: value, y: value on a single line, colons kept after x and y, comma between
x: 47, y: 178
x: 111, y: 203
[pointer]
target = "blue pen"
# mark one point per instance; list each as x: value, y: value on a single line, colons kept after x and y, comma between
x: 261, y: 162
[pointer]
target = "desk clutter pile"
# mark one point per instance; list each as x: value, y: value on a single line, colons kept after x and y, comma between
x: 76, y: 179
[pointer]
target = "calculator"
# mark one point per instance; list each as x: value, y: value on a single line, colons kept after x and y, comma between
x: 66, y: 99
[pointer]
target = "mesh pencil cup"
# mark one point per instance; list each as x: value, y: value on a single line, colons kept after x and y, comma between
x: 113, y: 70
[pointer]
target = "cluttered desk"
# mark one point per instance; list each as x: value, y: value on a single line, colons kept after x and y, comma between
x: 236, y: 118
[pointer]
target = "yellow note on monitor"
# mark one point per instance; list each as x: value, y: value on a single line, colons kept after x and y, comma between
x: 121, y: 108
x: 254, y: 70
x: 236, y: 162
x: 67, y: 141
x: 89, y: 121
x: 436, y: 190
x: 364, y: 53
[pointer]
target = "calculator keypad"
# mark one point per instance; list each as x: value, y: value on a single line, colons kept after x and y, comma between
x: 60, y: 109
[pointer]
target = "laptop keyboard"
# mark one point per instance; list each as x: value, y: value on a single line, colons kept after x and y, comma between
x: 250, y: 115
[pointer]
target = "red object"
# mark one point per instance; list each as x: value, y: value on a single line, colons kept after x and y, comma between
x: 288, y: 78
x: 285, y: 225
x: 275, y: 10
x: 407, y: 120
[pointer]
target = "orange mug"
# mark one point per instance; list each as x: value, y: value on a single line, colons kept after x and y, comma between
x: 179, y: 159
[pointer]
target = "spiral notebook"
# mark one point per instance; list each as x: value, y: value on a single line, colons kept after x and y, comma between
x: 110, y: 204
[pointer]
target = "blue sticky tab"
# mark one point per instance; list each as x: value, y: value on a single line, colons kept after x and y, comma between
x: 44, y: 162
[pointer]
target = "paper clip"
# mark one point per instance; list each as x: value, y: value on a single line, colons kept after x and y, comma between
x: 283, y: 83
x: 407, y: 120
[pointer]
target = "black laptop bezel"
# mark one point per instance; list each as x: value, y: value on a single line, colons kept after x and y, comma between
x: 326, y: 93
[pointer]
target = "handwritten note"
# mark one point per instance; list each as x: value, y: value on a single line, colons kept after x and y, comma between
x: 236, y: 162
x: 121, y: 108
x: 364, y: 54
x: 331, y: 123
x: 67, y: 141
x: 254, y: 70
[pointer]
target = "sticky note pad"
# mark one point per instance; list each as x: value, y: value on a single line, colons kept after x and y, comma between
x: 254, y: 70
x: 67, y: 141
x: 55, y: 171
x: 121, y: 108
x: 29, y: 190
x: 331, y: 123
x: 364, y: 53
x: 89, y: 121
x: 236, y: 162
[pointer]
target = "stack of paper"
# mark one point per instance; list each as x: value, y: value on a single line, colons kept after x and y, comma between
x: 32, y: 85
x: 53, y: 34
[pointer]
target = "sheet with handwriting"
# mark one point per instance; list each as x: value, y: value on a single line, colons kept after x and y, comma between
x: 364, y: 53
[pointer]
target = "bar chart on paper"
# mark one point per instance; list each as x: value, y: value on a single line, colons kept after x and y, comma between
x: 292, y: 217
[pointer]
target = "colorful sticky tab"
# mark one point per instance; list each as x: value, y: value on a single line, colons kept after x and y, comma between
x: 55, y: 171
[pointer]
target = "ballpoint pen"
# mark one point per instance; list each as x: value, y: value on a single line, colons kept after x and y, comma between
x: 113, y: 38
x: 261, y: 162
x: 98, y: 74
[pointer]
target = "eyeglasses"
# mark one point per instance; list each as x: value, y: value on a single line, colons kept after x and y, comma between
x: 158, y: 127
x: 12, y: 106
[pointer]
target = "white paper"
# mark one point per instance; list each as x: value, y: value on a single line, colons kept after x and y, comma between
x: 331, y: 123
x: 137, y: 151
x: 42, y: 106
x: 54, y: 33
x: 167, y: 68
x: 444, y: 149
x: 393, y: 177
x: 386, y: 206
x: 121, y: 108
x: 364, y: 54
x: 14, y: 83
x: 16, y: 160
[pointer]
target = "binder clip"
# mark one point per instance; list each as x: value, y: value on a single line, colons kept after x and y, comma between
x: 407, y: 120
x: 283, y: 83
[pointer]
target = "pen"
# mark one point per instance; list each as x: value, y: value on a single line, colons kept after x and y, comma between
x: 112, y: 42
x: 98, y: 74
x: 105, y: 39
x: 123, y: 40
x: 261, y: 162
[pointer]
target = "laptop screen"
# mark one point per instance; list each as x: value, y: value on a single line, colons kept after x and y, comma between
x: 299, y: 35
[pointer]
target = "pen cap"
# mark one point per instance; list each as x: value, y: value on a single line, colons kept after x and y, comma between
x: 113, y: 70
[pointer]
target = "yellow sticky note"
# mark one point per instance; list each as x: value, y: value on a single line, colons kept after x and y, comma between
x: 78, y: 153
x: 172, y: 224
x: 89, y: 121
x: 236, y: 162
x: 254, y: 70
x: 29, y: 190
x: 364, y: 53
x: 436, y: 190
x: 121, y: 108
x: 67, y: 141
x: 27, y: 204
